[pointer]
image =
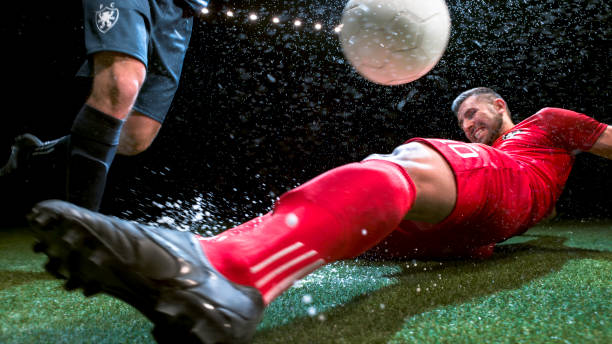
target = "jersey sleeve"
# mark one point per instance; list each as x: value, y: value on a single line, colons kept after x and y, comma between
x: 571, y: 130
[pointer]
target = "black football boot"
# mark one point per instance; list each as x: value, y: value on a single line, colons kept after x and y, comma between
x: 35, y: 171
x: 161, y: 272
x: 21, y: 154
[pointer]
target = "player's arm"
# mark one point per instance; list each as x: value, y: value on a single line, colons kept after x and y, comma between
x: 576, y: 132
x: 603, y: 145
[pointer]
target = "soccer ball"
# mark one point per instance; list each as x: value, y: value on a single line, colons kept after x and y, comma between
x: 392, y: 42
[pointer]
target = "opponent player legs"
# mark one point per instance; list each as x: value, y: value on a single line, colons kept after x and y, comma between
x: 123, y: 114
x: 138, y: 38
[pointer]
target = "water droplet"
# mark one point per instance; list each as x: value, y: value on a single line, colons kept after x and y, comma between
x: 291, y: 220
x: 307, y: 299
x: 312, y: 311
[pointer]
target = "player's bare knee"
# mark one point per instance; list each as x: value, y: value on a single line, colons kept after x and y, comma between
x: 376, y: 156
x: 402, y: 155
x: 118, y: 89
x: 117, y: 81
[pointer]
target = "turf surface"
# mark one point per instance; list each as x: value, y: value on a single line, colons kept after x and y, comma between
x: 551, y: 285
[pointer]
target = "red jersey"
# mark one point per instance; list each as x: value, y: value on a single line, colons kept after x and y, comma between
x: 546, y: 144
x: 502, y: 189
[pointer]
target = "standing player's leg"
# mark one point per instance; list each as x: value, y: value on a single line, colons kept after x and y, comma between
x: 117, y: 41
x: 215, y: 288
x: 96, y: 130
x: 163, y: 51
x: 75, y: 166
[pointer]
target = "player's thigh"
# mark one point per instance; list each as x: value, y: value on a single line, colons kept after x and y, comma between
x: 494, y: 198
x: 436, y: 190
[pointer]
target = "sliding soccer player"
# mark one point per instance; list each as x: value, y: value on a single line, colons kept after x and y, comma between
x: 428, y: 198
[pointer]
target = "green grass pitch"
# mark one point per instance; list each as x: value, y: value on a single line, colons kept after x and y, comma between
x: 551, y: 285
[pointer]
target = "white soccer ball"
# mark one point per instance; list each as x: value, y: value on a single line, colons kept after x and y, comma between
x: 392, y: 42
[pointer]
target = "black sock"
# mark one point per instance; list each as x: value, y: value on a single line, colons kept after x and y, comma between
x: 93, y: 143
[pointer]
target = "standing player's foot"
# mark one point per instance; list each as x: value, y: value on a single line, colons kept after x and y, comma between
x: 21, y: 153
x: 161, y: 272
x: 16, y: 187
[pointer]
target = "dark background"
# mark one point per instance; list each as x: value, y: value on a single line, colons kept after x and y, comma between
x: 262, y: 108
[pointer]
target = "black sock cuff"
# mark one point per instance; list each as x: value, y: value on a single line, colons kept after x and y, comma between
x: 97, y: 126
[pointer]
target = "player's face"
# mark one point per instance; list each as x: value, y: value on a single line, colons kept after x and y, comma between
x: 480, y: 120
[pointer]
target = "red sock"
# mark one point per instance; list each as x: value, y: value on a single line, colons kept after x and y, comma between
x: 337, y: 215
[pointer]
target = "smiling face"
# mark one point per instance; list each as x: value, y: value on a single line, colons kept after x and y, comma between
x: 483, y: 118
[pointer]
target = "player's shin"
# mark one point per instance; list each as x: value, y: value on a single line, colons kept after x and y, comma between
x: 339, y: 214
x: 93, y: 143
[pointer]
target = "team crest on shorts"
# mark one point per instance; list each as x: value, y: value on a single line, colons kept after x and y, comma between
x: 106, y: 17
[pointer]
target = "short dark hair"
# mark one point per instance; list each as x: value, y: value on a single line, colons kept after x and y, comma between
x: 474, y: 92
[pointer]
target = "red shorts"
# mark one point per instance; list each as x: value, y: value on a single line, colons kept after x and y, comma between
x: 493, y: 204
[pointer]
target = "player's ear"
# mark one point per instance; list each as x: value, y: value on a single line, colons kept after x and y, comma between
x: 499, y: 105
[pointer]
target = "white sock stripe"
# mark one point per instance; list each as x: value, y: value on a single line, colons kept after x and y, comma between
x: 262, y: 281
x: 255, y: 269
x: 284, y: 284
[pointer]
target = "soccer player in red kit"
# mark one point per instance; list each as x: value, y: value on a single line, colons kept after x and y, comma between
x: 428, y: 198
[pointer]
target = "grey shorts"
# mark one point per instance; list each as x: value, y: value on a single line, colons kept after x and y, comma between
x: 155, y: 32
